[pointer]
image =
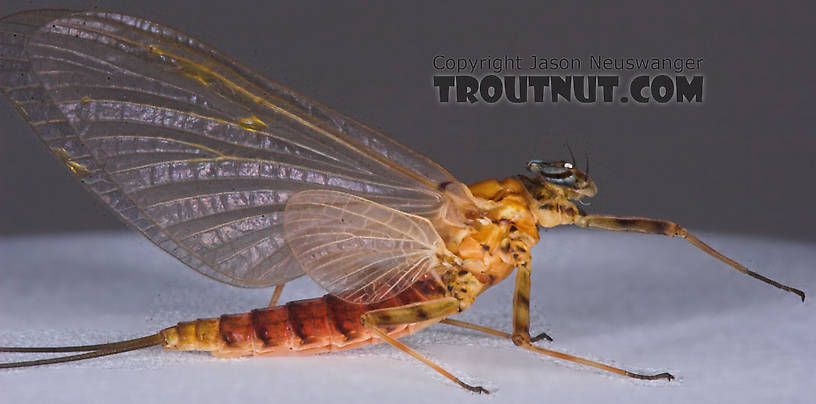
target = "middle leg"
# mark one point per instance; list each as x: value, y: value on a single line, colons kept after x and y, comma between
x: 491, y: 331
x: 521, y: 328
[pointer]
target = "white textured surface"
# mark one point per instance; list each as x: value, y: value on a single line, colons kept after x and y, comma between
x: 644, y: 303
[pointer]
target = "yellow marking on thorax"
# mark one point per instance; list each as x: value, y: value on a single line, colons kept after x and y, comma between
x: 498, y: 237
x: 78, y: 169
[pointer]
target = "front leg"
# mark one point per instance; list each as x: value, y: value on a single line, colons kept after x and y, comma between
x: 671, y: 229
x: 415, y: 313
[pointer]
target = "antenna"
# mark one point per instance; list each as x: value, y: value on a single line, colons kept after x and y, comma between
x: 572, y: 156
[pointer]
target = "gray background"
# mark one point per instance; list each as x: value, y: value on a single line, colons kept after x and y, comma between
x: 642, y: 303
x: 740, y: 162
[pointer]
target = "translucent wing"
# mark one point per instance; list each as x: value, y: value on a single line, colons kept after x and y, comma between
x: 358, y: 250
x: 194, y: 150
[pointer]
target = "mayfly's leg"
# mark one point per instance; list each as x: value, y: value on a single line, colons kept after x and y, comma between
x: 521, y: 299
x: 541, y: 336
x: 414, y: 313
x: 671, y: 229
x: 476, y: 327
x: 276, y: 295
x: 491, y: 331
x: 521, y: 329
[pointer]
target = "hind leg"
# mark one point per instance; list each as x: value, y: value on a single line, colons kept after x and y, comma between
x: 415, y: 313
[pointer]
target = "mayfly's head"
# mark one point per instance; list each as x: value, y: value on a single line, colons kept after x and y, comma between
x: 554, y: 188
x: 563, y: 176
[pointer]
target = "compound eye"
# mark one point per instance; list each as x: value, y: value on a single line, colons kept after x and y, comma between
x: 557, y: 168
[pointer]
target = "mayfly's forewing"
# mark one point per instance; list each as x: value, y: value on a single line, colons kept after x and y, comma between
x: 358, y: 250
x: 195, y: 151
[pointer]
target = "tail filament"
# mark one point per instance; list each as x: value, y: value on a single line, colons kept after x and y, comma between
x: 91, y: 351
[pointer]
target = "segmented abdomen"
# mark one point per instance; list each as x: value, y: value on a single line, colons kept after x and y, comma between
x: 299, y: 327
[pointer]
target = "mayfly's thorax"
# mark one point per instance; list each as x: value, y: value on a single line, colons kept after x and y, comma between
x: 490, y: 228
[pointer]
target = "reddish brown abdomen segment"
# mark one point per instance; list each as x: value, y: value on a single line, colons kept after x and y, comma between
x: 301, y: 327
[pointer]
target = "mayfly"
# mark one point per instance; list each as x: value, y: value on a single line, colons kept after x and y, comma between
x: 254, y: 185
